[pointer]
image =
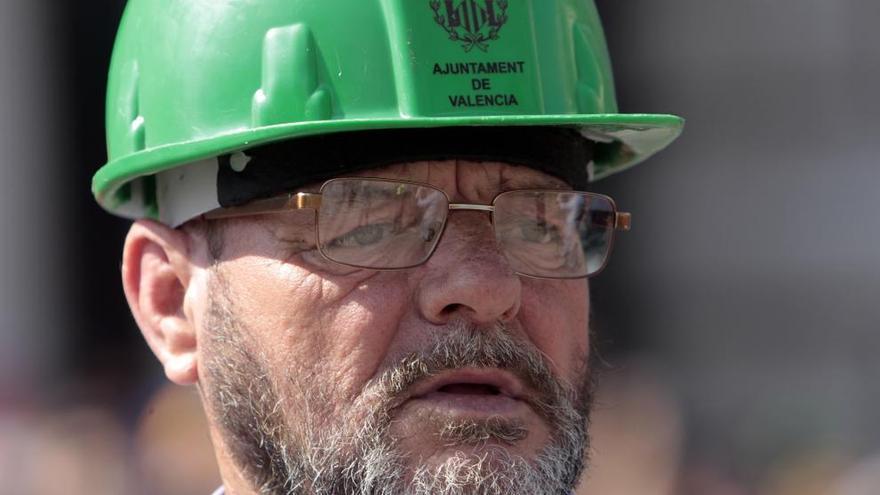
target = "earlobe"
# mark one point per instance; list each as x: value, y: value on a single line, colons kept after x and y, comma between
x: 156, y: 275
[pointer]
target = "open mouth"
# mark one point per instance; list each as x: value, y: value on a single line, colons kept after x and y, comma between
x: 469, y: 389
x: 471, y: 381
x: 472, y: 392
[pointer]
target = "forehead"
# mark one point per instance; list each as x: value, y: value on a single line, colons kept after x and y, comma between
x: 465, y: 178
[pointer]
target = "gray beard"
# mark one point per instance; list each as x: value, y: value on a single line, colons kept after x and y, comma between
x: 356, y: 454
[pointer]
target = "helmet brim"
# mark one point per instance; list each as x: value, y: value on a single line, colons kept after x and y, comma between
x: 623, y: 140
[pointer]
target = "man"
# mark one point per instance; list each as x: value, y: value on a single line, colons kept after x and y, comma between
x: 361, y: 232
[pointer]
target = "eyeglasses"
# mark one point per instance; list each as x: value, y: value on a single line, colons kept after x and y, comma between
x: 381, y: 224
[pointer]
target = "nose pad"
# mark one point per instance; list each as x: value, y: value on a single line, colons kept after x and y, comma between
x: 468, y: 276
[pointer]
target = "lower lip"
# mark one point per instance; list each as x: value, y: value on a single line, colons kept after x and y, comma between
x: 471, y: 404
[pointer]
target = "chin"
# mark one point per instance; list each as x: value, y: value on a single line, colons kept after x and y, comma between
x: 431, y: 448
x: 437, y: 455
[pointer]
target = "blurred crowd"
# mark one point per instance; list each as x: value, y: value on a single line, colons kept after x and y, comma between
x: 639, y: 437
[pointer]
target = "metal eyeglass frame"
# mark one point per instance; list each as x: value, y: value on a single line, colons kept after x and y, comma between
x: 312, y: 201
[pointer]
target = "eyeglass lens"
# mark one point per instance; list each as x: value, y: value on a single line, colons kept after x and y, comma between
x: 554, y: 234
x: 380, y: 224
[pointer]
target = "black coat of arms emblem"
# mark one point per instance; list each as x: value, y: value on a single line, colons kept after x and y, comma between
x: 473, y: 23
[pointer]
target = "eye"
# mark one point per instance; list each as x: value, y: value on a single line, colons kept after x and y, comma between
x: 539, y: 231
x: 597, y: 229
x: 363, y: 236
x: 429, y: 232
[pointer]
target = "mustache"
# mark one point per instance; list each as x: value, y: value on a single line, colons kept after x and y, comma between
x: 464, y: 345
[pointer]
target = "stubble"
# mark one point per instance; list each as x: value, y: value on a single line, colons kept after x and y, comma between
x: 298, y: 445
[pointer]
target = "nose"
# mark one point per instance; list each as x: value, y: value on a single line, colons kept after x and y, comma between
x: 468, y: 277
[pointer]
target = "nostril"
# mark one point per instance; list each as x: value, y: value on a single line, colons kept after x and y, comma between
x: 450, y: 309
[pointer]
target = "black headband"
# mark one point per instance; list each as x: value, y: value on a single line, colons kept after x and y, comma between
x: 280, y: 167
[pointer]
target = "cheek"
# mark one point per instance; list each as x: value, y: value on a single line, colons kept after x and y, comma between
x: 331, y: 332
x: 555, y: 314
x: 361, y: 331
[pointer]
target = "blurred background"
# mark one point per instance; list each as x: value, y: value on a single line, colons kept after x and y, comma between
x: 739, y: 321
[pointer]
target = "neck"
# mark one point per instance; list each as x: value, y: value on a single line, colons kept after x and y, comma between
x: 234, y: 480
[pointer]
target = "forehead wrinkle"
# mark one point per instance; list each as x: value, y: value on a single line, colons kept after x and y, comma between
x: 480, y: 188
x: 466, y: 180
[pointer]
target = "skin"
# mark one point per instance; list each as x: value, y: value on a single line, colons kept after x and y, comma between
x: 309, y: 318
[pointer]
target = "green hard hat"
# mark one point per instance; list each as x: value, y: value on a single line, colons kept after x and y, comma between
x: 191, y: 81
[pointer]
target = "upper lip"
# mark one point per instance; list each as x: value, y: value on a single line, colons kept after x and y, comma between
x: 506, y: 383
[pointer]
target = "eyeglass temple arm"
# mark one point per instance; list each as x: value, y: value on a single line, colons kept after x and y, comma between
x: 306, y: 200
x: 277, y: 204
x: 623, y: 221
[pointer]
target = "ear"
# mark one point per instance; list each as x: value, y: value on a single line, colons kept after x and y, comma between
x: 156, y: 275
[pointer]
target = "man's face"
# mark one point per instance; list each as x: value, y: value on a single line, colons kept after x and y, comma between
x: 457, y: 376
